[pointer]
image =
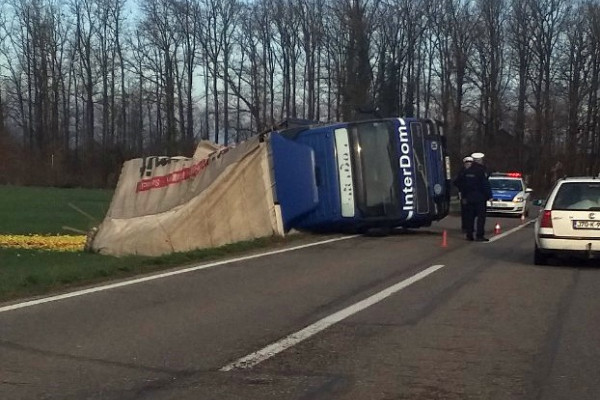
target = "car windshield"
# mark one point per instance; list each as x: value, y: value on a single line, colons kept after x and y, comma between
x: 581, y: 196
x: 506, y: 184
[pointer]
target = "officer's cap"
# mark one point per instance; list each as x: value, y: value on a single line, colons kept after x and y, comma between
x: 468, y: 159
x: 477, y: 156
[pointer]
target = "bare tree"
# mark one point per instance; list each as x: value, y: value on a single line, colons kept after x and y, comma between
x: 414, y: 26
x: 548, y: 19
x: 356, y: 17
x: 287, y: 24
x: 85, y: 29
x: 487, y: 70
x: 575, y: 74
x: 230, y: 12
x: 255, y: 70
x: 389, y: 43
x: 309, y: 14
x: 519, y: 28
x: 245, y: 77
x: 333, y: 52
x: 138, y: 96
x: 212, y: 42
x: 453, y: 21
x: 161, y: 28
x: 189, y: 19
x: 591, y: 136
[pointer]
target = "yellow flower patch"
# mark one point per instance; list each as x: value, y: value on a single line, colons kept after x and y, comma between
x: 44, y: 242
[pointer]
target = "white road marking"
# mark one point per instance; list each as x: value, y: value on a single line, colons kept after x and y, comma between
x: 95, y: 289
x: 76, y: 293
x: 508, y: 232
x: 267, y: 352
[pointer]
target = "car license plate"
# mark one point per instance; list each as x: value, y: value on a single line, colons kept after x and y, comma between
x: 586, y: 224
x: 498, y: 204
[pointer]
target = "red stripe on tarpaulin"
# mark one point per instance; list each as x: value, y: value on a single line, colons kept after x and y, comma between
x: 158, y: 182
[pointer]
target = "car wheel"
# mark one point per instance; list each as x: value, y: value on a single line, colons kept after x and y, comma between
x: 539, y: 258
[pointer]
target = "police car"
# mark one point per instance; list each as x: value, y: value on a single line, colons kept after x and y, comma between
x: 510, y: 195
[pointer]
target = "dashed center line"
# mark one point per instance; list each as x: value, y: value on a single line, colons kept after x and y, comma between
x: 275, y: 348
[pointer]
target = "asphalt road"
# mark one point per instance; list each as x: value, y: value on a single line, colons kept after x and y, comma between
x: 393, y: 317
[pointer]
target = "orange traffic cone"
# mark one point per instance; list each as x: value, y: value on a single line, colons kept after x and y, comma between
x: 497, y: 228
x: 444, y: 239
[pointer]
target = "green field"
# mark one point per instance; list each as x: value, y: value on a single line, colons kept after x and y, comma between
x: 25, y: 210
x: 30, y: 210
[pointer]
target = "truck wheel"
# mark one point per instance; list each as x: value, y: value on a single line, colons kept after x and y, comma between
x: 382, y: 231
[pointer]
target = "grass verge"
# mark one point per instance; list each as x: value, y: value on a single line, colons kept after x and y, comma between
x: 26, y: 273
x: 31, y: 273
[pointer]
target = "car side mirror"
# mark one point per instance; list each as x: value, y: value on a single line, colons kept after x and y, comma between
x: 539, y: 202
x: 528, y: 190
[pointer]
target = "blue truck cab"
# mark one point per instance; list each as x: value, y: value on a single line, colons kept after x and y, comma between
x: 354, y: 176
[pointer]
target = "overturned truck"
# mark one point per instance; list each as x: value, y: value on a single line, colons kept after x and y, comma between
x: 339, y: 177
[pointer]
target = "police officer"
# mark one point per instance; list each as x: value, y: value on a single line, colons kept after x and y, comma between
x: 475, y: 189
x: 478, y: 157
x: 467, y: 161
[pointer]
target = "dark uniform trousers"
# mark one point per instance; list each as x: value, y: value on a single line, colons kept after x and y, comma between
x: 463, y: 215
x: 475, y: 210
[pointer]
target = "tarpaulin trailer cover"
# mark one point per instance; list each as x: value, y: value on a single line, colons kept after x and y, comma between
x: 163, y: 205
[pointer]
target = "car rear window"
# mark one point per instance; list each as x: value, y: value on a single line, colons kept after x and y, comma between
x: 577, y: 196
x: 506, y: 184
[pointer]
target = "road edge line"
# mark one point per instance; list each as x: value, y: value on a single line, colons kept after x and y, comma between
x: 508, y: 232
x: 135, y: 281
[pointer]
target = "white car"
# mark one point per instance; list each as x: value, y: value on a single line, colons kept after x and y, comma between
x: 569, y: 222
x: 510, y: 195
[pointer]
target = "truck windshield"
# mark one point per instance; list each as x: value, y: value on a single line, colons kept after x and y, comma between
x: 375, y: 166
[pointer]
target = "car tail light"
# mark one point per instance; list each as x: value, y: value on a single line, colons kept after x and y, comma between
x: 546, y: 221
